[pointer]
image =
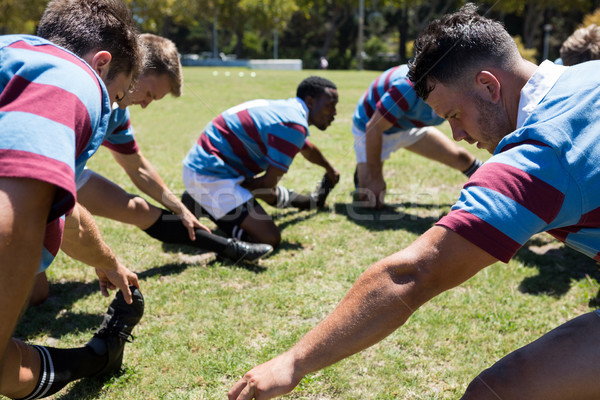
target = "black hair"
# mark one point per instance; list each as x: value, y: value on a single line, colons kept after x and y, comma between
x: 455, y: 44
x: 82, y: 26
x: 314, y: 86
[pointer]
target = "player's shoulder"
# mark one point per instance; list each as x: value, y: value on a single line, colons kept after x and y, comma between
x: 36, y: 59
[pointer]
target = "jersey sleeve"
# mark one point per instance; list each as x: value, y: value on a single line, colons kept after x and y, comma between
x: 397, y: 100
x: 120, y: 134
x: 53, y: 111
x: 284, y: 141
x: 509, y: 199
x: 45, y: 119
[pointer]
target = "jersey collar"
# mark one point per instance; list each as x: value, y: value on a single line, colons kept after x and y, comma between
x: 304, y: 107
x: 536, y: 88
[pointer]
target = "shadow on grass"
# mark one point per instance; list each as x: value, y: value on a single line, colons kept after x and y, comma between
x: 391, y: 217
x: 84, y: 389
x: 53, y: 318
x: 196, y: 257
x: 559, y: 268
x: 294, y: 216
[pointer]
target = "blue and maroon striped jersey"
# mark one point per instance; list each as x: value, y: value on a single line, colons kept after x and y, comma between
x: 543, y: 177
x: 245, y: 140
x: 53, y: 116
x: 119, y: 136
x: 392, y: 94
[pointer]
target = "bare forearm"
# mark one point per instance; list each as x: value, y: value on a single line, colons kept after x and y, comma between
x: 82, y: 241
x: 374, y: 143
x: 315, y: 156
x: 147, y: 179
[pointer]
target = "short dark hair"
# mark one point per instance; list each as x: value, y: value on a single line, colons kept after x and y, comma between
x: 82, y: 26
x: 162, y: 58
x: 582, y: 45
x: 456, y: 44
x: 314, y: 86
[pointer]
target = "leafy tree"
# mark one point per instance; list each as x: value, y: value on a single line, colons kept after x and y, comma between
x: 20, y: 16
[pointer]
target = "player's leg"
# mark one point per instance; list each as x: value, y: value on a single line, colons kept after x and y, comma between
x: 439, y: 147
x: 260, y: 226
x: 107, y: 199
x: 563, y: 364
x: 40, y: 290
x: 24, y: 209
x: 227, y: 204
x: 33, y: 372
x: 282, y: 197
x: 20, y: 371
x: 249, y: 221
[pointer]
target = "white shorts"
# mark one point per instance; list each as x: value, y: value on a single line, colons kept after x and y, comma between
x: 218, y: 196
x: 390, y: 143
x: 85, y: 176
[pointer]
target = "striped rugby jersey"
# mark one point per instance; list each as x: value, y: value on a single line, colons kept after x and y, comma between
x: 545, y: 176
x: 119, y: 136
x: 392, y: 94
x: 246, y: 139
x: 53, y: 115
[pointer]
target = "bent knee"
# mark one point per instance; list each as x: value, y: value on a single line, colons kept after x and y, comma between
x: 272, y: 238
x: 137, y: 204
x: 20, y: 370
x: 505, y: 379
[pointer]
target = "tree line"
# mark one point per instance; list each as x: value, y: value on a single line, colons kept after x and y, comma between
x: 311, y: 29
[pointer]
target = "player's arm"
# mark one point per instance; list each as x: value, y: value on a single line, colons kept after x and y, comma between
x: 378, y: 303
x: 268, y: 180
x: 82, y: 241
x: 312, y: 153
x: 264, y: 186
x: 146, y: 178
x: 24, y: 208
x: 374, y: 143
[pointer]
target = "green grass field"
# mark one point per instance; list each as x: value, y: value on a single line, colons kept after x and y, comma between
x: 208, y: 322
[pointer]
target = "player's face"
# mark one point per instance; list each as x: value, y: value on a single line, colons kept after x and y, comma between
x: 471, y: 118
x: 322, y: 109
x: 118, y: 87
x: 148, y: 88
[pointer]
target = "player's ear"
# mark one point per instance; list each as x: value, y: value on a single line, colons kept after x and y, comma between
x: 488, y: 84
x: 100, y: 62
x: 310, y: 101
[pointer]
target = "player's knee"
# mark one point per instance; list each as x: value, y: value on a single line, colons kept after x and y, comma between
x: 501, y: 379
x: 272, y: 237
x: 38, y: 297
x: 40, y: 290
x: 138, y: 205
x: 14, y: 375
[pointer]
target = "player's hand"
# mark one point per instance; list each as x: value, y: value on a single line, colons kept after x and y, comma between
x: 191, y: 223
x: 120, y: 277
x: 373, y: 193
x: 268, y: 380
x: 334, y: 176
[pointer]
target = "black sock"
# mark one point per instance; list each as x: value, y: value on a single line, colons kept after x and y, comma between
x: 300, y: 201
x: 289, y: 198
x: 471, y: 170
x: 169, y: 229
x: 61, y: 366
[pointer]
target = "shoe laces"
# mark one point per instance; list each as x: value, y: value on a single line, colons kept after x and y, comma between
x: 115, y: 331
